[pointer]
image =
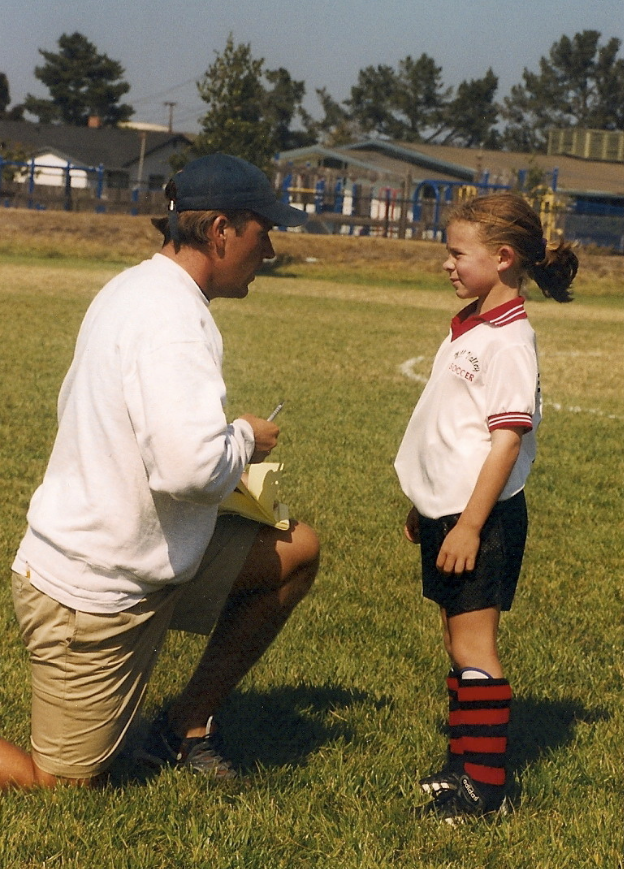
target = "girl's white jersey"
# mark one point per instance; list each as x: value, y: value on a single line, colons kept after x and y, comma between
x: 485, y: 376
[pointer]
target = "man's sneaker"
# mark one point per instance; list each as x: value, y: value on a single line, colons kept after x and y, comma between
x: 201, y: 754
x: 440, y: 783
x: 455, y: 807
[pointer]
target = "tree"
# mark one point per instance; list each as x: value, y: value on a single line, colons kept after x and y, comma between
x: 399, y: 104
x: 337, y: 126
x: 82, y: 83
x: 282, y: 104
x: 421, y: 97
x: 245, y: 117
x: 579, y: 84
x: 469, y: 119
x: 411, y: 104
x: 5, y: 97
x: 6, y: 114
x: 373, y: 101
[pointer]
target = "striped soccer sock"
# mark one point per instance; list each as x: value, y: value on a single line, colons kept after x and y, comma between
x: 455, y: 747
x: 484, y: 707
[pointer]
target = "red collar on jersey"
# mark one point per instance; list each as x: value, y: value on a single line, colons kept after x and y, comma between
x: 506, y: 313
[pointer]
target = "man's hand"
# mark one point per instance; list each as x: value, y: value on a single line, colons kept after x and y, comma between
x: 412, y: 526
x: 265, y: 434
x: 459, y: 549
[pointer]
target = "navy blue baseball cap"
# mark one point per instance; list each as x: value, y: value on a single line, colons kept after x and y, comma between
x: 221, y: 182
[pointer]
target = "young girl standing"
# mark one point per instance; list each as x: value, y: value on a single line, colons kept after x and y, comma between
x: 463, y: 463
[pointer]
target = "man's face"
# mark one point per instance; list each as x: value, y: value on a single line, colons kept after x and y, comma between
x: 240, y: 258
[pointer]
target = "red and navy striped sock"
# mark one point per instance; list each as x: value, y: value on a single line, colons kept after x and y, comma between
x: 455, y: 747
x: 484, y: 706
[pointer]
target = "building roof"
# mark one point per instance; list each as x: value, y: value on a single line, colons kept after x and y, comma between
x: 381, y: 160
x: 574, y: 175
x: 115, y: 148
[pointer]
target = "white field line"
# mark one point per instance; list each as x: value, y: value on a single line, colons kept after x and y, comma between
x: 576, y: 409
x: 407, y: 370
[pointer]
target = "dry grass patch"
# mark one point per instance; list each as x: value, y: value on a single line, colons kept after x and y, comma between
x: 123, y: 238
x: 60, y: 234
x: 53, y: 278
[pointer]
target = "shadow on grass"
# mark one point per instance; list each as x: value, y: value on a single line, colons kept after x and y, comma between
x: 539, y: 726
x: 269, y: 729
x: 283, y: 726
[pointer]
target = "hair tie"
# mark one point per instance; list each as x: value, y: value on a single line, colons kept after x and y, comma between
x: 542, y: 253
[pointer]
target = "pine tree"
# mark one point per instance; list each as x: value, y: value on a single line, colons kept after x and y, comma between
x: 8, y: 114
x: 82, y: 83
x: 411, y: 104
x: 373, y: 102
x: 421, y: 97
x: 245, y: 116
x: 579, y: 84
x: 469, y: 119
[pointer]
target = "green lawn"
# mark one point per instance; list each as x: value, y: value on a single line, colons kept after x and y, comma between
x: 333, y: 727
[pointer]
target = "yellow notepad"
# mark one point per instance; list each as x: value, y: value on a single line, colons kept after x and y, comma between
x: 255, y: 497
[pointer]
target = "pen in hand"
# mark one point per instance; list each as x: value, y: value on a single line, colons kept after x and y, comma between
x: 274, y: 412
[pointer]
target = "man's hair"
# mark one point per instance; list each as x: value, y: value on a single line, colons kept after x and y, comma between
x: 193, y: 226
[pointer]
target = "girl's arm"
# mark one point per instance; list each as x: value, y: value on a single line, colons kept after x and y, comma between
x: 461, y: 545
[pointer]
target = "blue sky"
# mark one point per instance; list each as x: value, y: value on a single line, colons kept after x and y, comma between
x: 166, y: 45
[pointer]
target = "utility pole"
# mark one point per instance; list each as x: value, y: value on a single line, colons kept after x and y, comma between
x: 143, y: 138
x: 170, y: 105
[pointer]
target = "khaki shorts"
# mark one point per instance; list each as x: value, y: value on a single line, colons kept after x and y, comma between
x: 90, y: 671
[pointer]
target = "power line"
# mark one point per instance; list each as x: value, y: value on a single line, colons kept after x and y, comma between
x: 164, y: 93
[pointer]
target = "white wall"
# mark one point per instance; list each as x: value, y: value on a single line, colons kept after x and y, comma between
x: 52, y: 172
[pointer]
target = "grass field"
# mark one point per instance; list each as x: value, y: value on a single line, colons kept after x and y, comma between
x: 333, y: 726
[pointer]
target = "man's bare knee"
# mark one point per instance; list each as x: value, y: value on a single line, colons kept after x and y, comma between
x: 305, y: 558
x: 47, y: 780
x: 306, y: 548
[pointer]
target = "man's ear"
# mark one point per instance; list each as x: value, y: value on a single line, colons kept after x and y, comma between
x: 507, y: 257
x: 216, y: 233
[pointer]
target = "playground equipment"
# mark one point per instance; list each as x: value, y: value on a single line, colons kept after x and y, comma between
x: 387, y: 210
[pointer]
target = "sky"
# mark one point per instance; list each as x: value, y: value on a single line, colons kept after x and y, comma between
x: 165, y: 46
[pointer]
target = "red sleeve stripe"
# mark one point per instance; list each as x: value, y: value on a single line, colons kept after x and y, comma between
x: 513, y: 419
x: 487, y: 774
x: 484, y: 693
x: 485, y: 717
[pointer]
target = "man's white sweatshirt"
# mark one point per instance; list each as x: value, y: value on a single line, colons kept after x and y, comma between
x: 143, y: 454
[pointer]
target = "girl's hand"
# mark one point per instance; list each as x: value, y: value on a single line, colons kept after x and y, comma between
x: 459, y: 551
x: 412, y: 526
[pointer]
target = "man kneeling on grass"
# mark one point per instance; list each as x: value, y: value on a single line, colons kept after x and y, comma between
x: 123, y: 538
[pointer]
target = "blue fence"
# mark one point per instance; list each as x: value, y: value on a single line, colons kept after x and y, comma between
x: 384, y: 206
x: 338, y: 206
x: 21, y: 185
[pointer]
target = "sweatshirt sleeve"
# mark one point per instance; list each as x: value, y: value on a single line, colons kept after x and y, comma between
x: 174, y: 397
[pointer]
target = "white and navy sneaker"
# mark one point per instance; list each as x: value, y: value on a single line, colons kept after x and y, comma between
x: 201, y: 754
x: 466, y: 801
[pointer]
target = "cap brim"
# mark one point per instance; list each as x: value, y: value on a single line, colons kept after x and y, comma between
x: 281, y: 214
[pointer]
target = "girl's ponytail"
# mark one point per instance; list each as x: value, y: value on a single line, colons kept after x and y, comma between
x: 554, y: 272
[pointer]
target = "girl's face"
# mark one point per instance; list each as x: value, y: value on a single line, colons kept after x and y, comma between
x: 472, y: 268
